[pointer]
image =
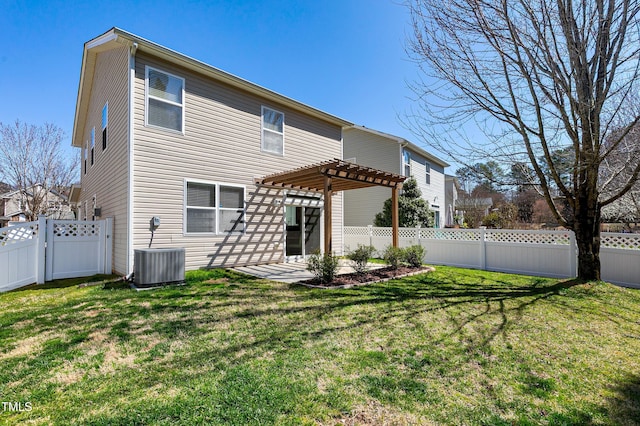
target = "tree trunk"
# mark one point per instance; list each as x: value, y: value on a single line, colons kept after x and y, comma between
x: 587, y: 230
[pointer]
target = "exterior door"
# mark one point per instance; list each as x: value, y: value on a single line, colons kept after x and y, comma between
x: 302, y: 226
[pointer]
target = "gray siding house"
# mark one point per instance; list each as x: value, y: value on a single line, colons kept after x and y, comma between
x: 383, y: 151
x: 164, y: 135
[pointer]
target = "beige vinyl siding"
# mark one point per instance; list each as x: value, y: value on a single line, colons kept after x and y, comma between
x: 368, y: 149
x: 108, y: 177
x: 221, y: 143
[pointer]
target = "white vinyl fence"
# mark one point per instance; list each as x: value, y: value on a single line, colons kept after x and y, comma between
x: 541, y: 253
x: 35, y: 252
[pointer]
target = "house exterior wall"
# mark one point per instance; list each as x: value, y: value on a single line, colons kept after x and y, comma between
x: 433, y: 192
x: 385, y: 153
x: 221, y: 143
x: 368, y: 149
x: 451, y: 197
x: 108, y: 177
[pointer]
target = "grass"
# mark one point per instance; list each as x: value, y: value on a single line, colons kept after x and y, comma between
x: 451, y: 347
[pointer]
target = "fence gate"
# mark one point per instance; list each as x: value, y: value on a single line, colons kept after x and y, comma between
x: 52, y: 249
x: 76, y: 249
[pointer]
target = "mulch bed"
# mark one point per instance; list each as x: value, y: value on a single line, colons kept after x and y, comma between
x: 373, y: 276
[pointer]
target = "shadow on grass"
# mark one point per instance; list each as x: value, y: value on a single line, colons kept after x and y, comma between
x: 624, y: 405
x: 69, y: 282
x: 229, y: 319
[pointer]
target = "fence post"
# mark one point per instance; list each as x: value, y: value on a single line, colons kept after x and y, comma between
x: 483, y: 249
x: 573, y: 255
x: 41, y: 249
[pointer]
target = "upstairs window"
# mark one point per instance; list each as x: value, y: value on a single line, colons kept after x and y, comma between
x: 272, y: 131
x: 105, y: 121
x: 93, y: 142
x: 212, y: 208
x: 86, y: 155
x: 427, y: 171
x: 165, y: 100
x: 406, y: 161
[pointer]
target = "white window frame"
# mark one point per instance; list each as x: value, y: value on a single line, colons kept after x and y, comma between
x: 263, y: 129
x: 427, y: 172
x: 93, y: 145
x: 104, y: 125
x: 406, y: 162
x: 217, y: 209
x: 86, y: 156
x: 147, y: 96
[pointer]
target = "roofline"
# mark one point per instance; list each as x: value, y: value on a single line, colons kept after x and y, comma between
x: 401, y: 140
x: 107, y: 40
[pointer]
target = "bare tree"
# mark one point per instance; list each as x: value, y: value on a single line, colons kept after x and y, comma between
x: 615, y: 172
x: 536, y: 76
x: 32, y: 161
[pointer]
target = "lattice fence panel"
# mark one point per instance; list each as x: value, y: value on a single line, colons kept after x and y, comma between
x: 17, y: 233
x: 621, y: 241
x: 356, y: 231
x: 450, y: 235
x: 407, y: 233
x: 527, y: 237
x: 75, y: 229
x: 382, y: 232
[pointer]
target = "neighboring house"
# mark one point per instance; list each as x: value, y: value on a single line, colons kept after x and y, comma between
x: 454, y: 216
x: 474, y: 209
x: 396, y: 155
x: 164, y: 135
x: 15, y: 205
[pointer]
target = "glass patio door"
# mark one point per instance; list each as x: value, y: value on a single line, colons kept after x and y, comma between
x: 302, y: 231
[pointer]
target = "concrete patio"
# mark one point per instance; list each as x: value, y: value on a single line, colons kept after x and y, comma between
x: 291, y: 272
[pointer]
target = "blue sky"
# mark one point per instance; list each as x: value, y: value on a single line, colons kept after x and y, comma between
x: 345, y: 57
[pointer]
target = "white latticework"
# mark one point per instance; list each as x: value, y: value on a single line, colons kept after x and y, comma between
x: 356, y: 231
x: 17, y: 233
x: 621, y: 241
x: 382, y: 232
x: 534, y: 237
x: 62, y: 229
x: 451, y: 234
x: 408, y: 233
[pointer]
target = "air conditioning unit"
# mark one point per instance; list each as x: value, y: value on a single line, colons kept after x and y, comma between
x: 157, y: 266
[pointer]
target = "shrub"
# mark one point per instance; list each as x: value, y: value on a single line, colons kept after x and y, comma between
x: 413, y: 255
x: 360, y: 257
x: 393, y: 256
x: 323, y: 266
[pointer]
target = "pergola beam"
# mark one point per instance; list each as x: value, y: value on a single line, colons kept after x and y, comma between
x: 334, y: 176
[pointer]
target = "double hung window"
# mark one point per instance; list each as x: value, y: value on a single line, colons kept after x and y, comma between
x: 213, y: 208
x: 105, y: 121
x: 164, y: 99
x: 272, y: 131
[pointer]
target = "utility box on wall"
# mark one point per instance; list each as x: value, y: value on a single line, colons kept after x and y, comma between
x: 158, y: 266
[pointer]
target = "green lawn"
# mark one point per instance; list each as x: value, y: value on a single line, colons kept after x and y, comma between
x: 452, y: 347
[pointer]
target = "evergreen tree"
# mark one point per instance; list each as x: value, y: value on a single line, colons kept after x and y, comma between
x: 412, y: 208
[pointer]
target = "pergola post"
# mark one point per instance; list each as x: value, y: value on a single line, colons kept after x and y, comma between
x: 327, y: 214
x: 395, y: 220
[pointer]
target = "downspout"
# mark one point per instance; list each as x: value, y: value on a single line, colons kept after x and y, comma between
x: 132, y: 74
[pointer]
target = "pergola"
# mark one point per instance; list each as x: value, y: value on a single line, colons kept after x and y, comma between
x: 334, y: 176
